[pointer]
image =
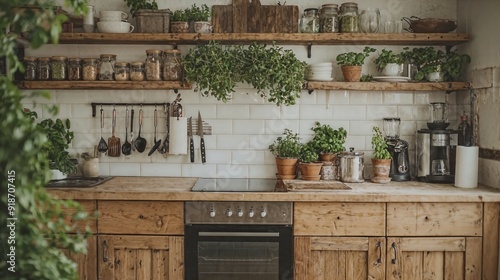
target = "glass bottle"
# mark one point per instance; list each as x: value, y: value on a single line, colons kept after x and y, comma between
x: 464, y: 132
x: 58, y: 68
x: 106, y: 67
x: 89, y: 69
x: 74, y: 69
x: 172, y: 67
x: 153, y: 65
x: 349, y: 17
x: 30, y: 66
x: 309, y: 23
x: 122, y: 71
x: 137, y: 71
x: 329, y: 18
x: 43, y: 69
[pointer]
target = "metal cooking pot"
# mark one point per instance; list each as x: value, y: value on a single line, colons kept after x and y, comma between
x: 430, y: 25
x: 351, y: 167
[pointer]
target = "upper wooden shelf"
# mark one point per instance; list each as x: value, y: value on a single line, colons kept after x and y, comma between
x: 104, y: 85
x: 385, y: 86
x: 443, y: 39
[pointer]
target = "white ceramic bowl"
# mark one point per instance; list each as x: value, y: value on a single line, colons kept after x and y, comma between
x: 320, y: 68
x: 115, y: 27
x: 322, y: 64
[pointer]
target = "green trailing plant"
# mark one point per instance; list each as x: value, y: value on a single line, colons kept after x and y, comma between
x: 366, y: 78
x: 135, y: 5
x: 196, y: 13
x: 353, y: 58
x: 286, y: 146
x: 453, y: 65
x: 386, y: 57
x: 40, y: 231
x: 379, y: 145
x: 426, y: 59
x: 308, y: 153
x: 180, y: 15
x: 328, y: 140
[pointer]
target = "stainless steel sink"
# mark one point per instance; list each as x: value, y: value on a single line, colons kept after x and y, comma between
x: 77, y: 182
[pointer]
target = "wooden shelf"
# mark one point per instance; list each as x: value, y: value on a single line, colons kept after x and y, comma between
x: 385, y: 86
x: 104, y: 85
x: 442, y: 39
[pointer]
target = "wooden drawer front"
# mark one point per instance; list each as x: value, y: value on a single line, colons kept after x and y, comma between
x: 88, y: 206
x: 434, y: 219
x: 339, y: 219
x: 140, y: 217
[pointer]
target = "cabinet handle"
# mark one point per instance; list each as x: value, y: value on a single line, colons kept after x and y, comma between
x: 104, y: 251
x: 379, y: 245
x: 393, y: 245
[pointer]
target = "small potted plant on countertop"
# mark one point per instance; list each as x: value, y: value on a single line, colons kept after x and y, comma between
x: 351, y: 64
x: 198, y: 16
x: 309, y: 165
x: 381, y: 160
x: 389, y: 63
x: 286, y: 149
x: 328, y: 141
x: 180, y: 21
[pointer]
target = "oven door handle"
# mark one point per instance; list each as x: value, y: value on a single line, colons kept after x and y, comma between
x: 239, y: 234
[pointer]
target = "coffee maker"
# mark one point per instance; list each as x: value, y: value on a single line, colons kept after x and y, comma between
x: 398, y: 148
x: 436, y: 148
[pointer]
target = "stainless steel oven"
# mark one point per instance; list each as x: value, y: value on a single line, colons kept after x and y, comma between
x: 238, y: 240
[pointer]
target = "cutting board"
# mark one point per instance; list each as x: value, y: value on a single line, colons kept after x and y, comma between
x: 301, y: 185
x: 249, y: 16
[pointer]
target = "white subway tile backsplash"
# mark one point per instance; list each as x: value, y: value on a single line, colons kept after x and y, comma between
x: 278, y: 126
x: 380, y: 112
x: 309, y: 98
x: 64, y: 111
x: 216, y: 156
x: 247, y: 157
x: 159, y: 169
x: 71, y: 96
x: 315, y: 112
x: 232, y: 142
x: 262, y: 171
x: 356, y: 142
x: 264, y: 112
x: 247, y: 96
x: 398, y: 98
x: 372, y: 97
x: 230, y: 111
x: 125, y: 169
x: 261, y: 141
x: 346, y: 112
x: 199, y: 170
x: 231, y: 171
x: 420, y: 98
x: 363, y: 127
x: 251, y: 127
x: 221, y: 126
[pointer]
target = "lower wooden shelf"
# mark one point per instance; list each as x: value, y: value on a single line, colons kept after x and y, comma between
x: 386, y: 86
x: 104, y: 85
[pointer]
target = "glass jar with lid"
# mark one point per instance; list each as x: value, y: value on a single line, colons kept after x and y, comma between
x: 106, y: 67
x: 74, y: 69
x: 329, y: 18
x: 172, y: 67
x: 122, y: 71
x: 58, y: 68
x: 309, y: 23
x: 349, y: 17
x: 43, y: 69
x: 137, y: 71
x: 153, y: 65
x: 30, y: 65
x: 89, y: 69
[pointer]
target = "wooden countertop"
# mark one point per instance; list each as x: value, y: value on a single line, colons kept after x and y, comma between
x: 178, y: 189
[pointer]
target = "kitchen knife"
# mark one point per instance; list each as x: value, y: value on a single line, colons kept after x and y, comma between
x: 202, y: 141
x: 191, y: 144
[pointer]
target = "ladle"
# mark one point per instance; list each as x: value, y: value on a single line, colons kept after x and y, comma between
x: 140, y: 142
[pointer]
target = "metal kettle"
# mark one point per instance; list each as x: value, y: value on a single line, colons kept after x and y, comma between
x: 351, y: 166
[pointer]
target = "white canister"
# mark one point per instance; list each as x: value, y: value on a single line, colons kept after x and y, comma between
x: 91, y: 167
x: 88, y: 20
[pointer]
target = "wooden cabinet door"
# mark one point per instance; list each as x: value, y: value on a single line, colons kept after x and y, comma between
x: 457, y: 258
x: 87, y: 264
x: 141, y: 257
x: 331, y: 258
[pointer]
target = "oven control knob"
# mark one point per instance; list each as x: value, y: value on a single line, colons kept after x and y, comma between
x: 251, y: 213
x: 229, y: 212
x: 212, y: 213
x: 240, y: 213
x: 263, y: 213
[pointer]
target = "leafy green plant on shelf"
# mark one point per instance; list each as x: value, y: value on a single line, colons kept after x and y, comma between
x: 195, y: 13
x: 379, y: 145
x: 454, y: 64
x: 354, y: 58
x: 135, y: 5
x: 180, y: 15
x: 386, y: 57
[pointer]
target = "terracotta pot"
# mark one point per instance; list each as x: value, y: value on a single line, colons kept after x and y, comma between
x: 310, y: 171
x: 330, y: 157
x: 381, y: 169
x: 351, y: 73
x: 179, y: 27
x: 287, y: 167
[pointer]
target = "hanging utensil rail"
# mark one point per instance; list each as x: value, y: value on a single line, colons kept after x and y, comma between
x: 95, y: 104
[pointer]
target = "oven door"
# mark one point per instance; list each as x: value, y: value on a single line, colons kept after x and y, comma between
x: 238, y: 252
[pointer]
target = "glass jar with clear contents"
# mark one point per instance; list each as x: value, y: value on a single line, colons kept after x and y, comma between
x: 137, y: 71
x: 58, y: 65
x: 153, y: 65
x: 122, y: 71
x: 43, y: 69
x: 106, y: 67
x: 89, y: 69
x: 309, y: 23
x: 30, y: 68
x: 172, y: 67
x: 329, y: 18
x: 74, y: 69
x: 349, y: 17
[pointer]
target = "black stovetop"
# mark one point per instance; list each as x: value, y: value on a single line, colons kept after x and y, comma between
x: 234, y: 185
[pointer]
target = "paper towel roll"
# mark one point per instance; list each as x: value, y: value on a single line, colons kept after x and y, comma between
x: 178, y: 136
x: 466, y: 167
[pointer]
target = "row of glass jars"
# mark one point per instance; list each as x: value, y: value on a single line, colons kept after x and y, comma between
x: 159, y: 65
x: 329, y: 20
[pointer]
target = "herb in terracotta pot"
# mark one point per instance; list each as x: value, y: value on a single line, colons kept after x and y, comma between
x: 286, y: 149
x: 352, y: 62
x: 309, y: 166
x: 180, y: 21
x: 328, y: 141
x: 381, y: 160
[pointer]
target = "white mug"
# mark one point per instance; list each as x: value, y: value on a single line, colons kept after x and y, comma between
x: 113, y: 16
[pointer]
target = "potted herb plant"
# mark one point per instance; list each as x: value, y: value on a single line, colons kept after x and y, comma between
x: 180, y: 21
x: 351, y: 63
x: 286, y: 149
x: 328, y: 141
x: 453, y: 65
x: 198, y: 16
x: 389, y: 63
x: 309, y: 165
x: 428, y: 62
x: 381, y: 160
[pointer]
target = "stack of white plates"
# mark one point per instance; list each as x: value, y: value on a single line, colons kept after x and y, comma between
x: 319, y: 72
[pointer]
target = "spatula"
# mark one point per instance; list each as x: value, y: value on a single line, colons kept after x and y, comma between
x: 102, y: 147
x: 113, y: 141
x: 127, y: 147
